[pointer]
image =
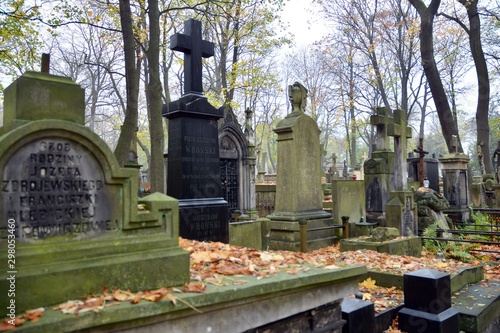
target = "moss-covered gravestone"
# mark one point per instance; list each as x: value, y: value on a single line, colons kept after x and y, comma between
x: 298, y: 184
x: 69, y: 217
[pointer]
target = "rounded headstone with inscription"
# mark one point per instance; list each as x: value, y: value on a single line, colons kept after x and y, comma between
x: 54, y: 186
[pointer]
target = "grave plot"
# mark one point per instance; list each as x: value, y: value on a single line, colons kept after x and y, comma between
x: 218, y: 269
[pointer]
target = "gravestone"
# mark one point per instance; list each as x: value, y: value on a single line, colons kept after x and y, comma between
x: 401, y: 210
x: 379, y: 177
x: 194, y: 176
x: 456, y: 184
x: 359, y: 316
x: 427, y: 303
x: 430, y: 166
x: 299, y: 192
x: 71, y: 210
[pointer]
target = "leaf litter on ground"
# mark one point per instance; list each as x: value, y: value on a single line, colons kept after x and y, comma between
x: 215, y: 262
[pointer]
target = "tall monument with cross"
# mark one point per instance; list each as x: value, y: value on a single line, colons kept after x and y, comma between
x: 378, y: 170
x: 193, y: 163
x: 401, y: 210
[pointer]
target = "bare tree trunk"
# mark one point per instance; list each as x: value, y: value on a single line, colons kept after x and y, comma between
x: 448, y: 123
x: 156, y: 166
x: 131, y: 73
x: 483, y: 98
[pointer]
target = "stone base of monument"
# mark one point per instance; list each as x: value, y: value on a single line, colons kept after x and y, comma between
x: 52, y: 274
x: 287, y: 235
x: 246, y: 233
x: 309, y: 300
x: 458, y: 215
x: 411, y: 246
x: 57, y: 270
x: 204, y: 219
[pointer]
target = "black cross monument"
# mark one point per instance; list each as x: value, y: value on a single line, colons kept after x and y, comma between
x: 193, y: 164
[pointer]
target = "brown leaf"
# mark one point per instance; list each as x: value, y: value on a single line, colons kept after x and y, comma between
x: 198, y: 287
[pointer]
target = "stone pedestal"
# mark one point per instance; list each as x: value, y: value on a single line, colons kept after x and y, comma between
x: 359, y: 316
x: 378, y: 179
x: 456, y: 186
x: 298, y: 187
x: 427, y: 307
x: 364, y: 228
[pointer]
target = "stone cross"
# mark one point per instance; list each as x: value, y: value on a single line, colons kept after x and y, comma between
x: 381, y: 120
x: 401, y: 133
x: 421, y: 154
x: 45, y: 68
x: 194, y: 49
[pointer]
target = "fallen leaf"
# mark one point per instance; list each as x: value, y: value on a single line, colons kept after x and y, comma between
x: 368, y: 283
x: 239, y: 282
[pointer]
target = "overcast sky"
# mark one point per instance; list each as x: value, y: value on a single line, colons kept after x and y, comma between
x: 303, y: 23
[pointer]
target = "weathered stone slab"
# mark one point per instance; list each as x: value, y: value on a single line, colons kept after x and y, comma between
x: 231, y: 308
x: 458, y: 280
x: 247, y: 234
x: 411, y: 246
x: 478, y: 306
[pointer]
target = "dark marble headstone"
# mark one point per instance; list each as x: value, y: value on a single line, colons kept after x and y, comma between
x: 193, y: 146
x: 427, y: 308
x: 359, y: 315
x: 431, y: 171
x: 55, y: 186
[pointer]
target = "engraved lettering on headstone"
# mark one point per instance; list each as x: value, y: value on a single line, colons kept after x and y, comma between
x: 54, y: 186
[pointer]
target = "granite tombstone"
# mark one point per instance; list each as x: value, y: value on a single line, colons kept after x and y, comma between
x: 193, y: 175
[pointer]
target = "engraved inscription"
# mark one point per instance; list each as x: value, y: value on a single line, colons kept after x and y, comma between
x: 53, y: 187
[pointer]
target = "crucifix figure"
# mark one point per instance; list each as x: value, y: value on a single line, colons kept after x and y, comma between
x: 194, y: 49
x: 421, y: 154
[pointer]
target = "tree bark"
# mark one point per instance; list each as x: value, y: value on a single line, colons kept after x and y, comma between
x: 483, y: 98
x: 446, y: 119
x: 156, y: 166
x: 131, y: 74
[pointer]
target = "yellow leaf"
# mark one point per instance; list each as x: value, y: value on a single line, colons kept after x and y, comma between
x: 367, y: 296
x: 442, y: 264
x: 368, y: 283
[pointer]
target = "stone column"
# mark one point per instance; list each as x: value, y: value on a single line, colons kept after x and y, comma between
x: 456, y: 185
x: 378, y: 169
